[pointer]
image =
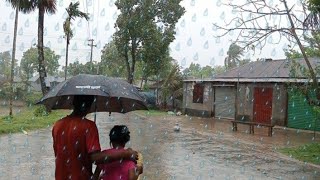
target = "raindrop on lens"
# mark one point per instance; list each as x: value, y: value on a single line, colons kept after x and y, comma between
x: 89, y: 2
x: 183, y: 23
x: 205, y: 13
x: 7, y: 39
x: 206, y: 45
x: 4, y: 27
x: 221, y: 53
x: 217, y: 40
x: 218, y: 3
x: 20, y: 32
x: 177, y: 48
x: 212, y: 61
x: 222, y: 16
x: 274, y: 52
x: 192, y: 3
x: 48, y: 44
x: 183, y: 62
x: 60, y: 39
x: 79, y: 24
x: 61, y: 3
x: 26, y: 24
x: 74, y: 47
x: 194, y: 18
x: 202, y: 32
x: 107, y: 27
x: 189, y: 43
x: 94, y: 33
x: 196, y: 57
x: 103, y: 12
x: 21, y: 48
x: 115, y: 15
x: 11, y: 15
x: 56, y: 27
x: 111, y: 3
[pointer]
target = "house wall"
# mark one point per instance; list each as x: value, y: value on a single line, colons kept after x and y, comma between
x: 279, y: 101
x: 204, y: 109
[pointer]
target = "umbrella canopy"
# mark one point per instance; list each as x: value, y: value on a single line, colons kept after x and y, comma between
x: 112, y: 94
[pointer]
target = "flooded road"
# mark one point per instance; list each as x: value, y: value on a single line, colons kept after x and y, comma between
x: 203, y: 149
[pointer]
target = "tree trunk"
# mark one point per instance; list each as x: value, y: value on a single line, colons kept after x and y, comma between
x: 312, y: 73
x: 67, y: 52
x: 41, y: 68
x: 133, y: 56
x: 13, y: 58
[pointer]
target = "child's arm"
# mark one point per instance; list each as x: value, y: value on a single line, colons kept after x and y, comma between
x: 135, y: 172
x: 96, y: 174
x: 103, y: 157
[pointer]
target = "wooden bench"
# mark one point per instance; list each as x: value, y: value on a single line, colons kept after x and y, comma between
x: 251, y: 125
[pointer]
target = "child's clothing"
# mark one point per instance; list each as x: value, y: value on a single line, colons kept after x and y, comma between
x: 118, y: 169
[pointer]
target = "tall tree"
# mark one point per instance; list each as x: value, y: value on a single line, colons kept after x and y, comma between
x: 44, y: 6
x: 29, y: 62
x: 136, y: 23
x: 73, y: 12
x: 234, y: 54
x: 13, y: 54
x: 255, y: 28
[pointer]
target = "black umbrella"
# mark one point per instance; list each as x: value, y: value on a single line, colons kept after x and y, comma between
x: 112, y: 94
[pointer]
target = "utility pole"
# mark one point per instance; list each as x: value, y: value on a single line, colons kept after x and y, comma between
x: 91, y: 45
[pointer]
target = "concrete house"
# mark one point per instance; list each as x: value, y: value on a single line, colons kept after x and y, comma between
x: 260, y: 91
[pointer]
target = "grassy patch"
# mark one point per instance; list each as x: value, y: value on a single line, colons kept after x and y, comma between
x: 27, y: 120
x: 151, y: 113
x: 306, y: 153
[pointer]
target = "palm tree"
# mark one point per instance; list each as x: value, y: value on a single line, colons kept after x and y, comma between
x: 172, y: 86
x: 44, y: 6
x: 16, y: 6
x: 234, y: 54
x: 73, y: 12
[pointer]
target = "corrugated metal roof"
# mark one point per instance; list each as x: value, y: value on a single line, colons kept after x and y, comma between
x: 263, y: 71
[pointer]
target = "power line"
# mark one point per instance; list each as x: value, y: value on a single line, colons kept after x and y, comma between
x: 91, y: 45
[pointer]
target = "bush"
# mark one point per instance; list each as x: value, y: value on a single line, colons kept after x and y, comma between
x: 40, y: 111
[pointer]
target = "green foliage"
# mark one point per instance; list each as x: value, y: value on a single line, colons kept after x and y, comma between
x: 29, y: 62
x: 18, y: 90
x: 32, y: 98
x: 196, y: 71
x: 5, y: 63
x: 233, y: 59
x: 26, y: 120
x: 76, y: 68
x: 112, y: 63
x: 40, y: 110
x: 306, y: 153
x: 144, y: 31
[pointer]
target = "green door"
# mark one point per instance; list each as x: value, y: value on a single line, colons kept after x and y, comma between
x: 300, y: 114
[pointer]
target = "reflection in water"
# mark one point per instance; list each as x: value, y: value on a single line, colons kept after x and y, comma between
x: 203, y: 149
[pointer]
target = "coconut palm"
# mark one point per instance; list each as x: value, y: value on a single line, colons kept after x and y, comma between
x: 172, y: 86
x: 16, y: 6
x: 73, y: 12
x: 44, y: 6
x: 234, y: 54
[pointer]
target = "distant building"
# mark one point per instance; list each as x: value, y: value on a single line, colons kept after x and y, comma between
x: 259, y: 90
x: 51, y: 81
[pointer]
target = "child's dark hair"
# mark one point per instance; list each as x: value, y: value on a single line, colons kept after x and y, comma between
x: 119, y: 134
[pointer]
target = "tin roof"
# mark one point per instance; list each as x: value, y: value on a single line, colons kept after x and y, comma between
x: 263, y: 71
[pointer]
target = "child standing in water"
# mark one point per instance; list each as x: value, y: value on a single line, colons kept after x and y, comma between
x: 123, y: 169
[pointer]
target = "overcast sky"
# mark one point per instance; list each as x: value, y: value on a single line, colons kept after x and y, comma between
x: 194, y: 42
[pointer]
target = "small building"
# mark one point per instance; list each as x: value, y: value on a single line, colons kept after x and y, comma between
x: 51, y: 81
x: 259, y: 91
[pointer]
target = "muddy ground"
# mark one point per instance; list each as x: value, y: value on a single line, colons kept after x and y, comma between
x: 203, y: 149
